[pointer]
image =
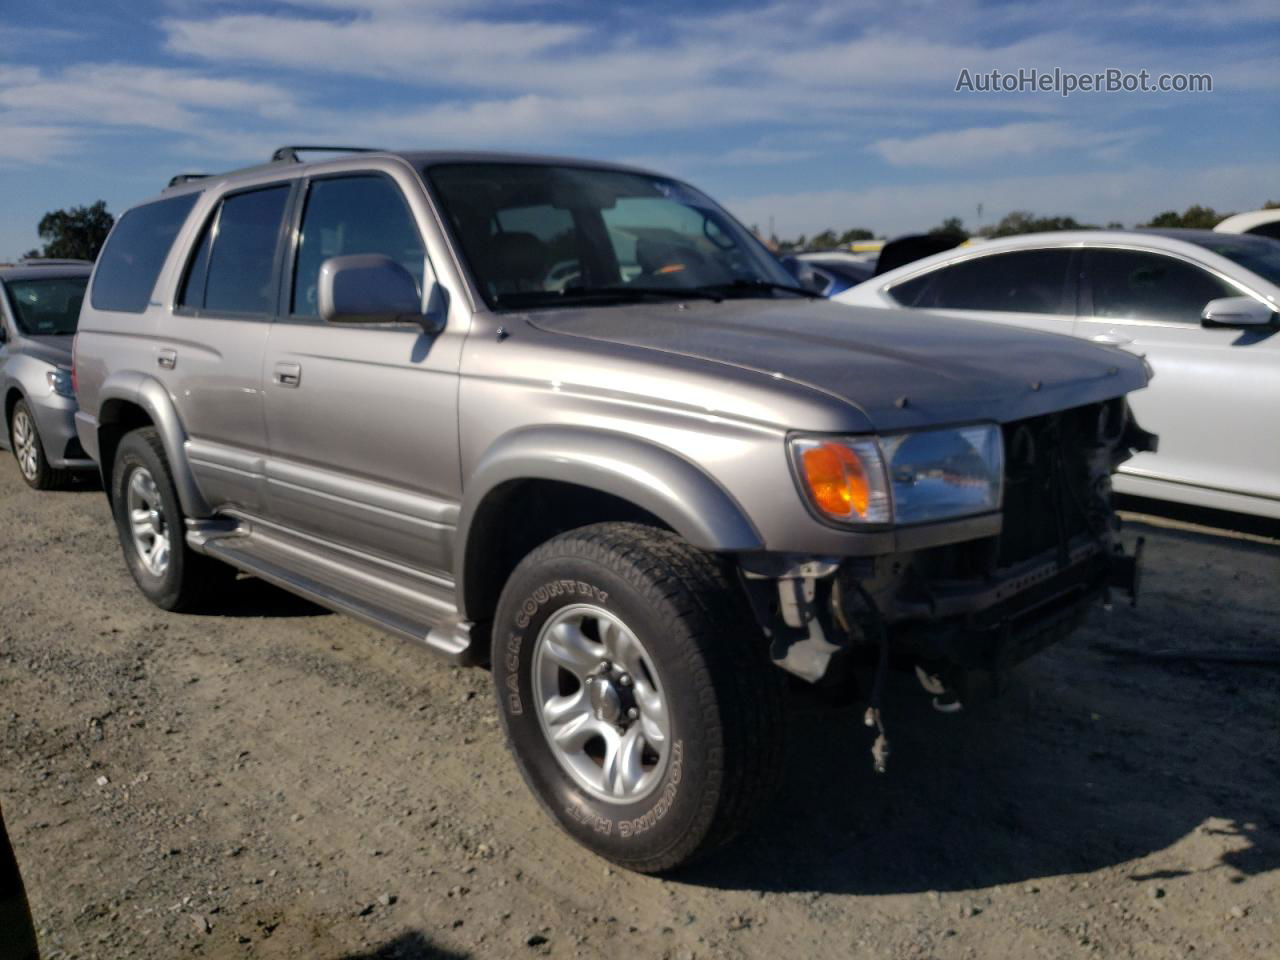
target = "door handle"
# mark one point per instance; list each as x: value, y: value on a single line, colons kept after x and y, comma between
x: 167, y: 359
x: 1112, y: 339
x: 288, y: 374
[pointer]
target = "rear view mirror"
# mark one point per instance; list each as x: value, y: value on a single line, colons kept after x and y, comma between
x: 373, y: 288
x: 1236, y: 312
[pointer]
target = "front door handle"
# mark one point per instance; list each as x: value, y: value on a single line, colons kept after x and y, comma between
x: 288, y: 374
x: 167, y: 359
x: 1112, y: 339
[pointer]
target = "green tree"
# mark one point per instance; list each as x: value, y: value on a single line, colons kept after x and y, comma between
x: 824, y: 240
x: 949, y: 226
x: 1196, y: 217
x: 77, y: 233
x: 856, y: 234
x: 1271, y: 205
x: 1024, y: 221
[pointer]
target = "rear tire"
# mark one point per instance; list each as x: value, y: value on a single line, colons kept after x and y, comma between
x: 28, y: 450
x: 152, y: 528
x: 698, y: 757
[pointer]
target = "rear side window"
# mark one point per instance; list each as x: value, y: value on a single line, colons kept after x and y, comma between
x: 130, y: 263
x: 349, y: 215
x: 241, y: 263
x: 1026, y: 281
x: 908, y: 292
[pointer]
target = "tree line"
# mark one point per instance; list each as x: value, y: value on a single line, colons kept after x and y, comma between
x: 1018, y: 221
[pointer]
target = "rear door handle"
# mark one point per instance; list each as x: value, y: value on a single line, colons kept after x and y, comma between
x: 288, y: 374
x: 167, y: 359
x: 1112, y: 339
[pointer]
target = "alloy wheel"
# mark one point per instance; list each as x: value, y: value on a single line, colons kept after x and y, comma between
x: 601, y: 703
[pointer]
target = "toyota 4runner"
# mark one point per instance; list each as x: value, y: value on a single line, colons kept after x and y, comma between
x: 570, y: 419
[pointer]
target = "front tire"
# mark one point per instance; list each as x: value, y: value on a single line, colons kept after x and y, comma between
x: 152, y: 528
x: 28, y: 450
x: 636, y: 694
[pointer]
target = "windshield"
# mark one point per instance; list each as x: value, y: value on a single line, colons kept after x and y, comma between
x: 539, y: 235
x: 1258, y: 254
x: 49, y: 306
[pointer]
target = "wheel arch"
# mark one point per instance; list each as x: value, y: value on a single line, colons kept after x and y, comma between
x: 12, y: 394
x: 535, y: 483
x: 129, y: 403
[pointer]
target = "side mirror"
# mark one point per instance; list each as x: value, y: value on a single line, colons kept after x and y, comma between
x: 1236, y: 312
x: 373, y: 288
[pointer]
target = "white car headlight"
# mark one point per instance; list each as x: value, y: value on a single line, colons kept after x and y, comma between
x: 903, y: 478
x: 60, y: 382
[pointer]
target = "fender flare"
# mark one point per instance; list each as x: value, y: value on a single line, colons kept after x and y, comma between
x: 150, y: 394
x: 654, y: 478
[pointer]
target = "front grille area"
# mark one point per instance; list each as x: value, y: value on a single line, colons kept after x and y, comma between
x: 1049, y: 495
x: 1051, y: 502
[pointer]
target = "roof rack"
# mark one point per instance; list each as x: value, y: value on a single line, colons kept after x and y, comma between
x: 187, y: 178
x: 290, y: 154
x: 52, y: 262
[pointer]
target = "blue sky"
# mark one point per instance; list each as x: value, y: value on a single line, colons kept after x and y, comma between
x: 815, y: 114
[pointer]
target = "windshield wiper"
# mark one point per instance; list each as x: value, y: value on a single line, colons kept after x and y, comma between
x: 754, y: 286
x: 530, y: 298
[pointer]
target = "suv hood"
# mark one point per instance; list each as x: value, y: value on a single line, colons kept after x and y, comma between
x: 52, y: 350
x: 902, y: 369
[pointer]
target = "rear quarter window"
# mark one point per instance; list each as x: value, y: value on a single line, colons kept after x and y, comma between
x: 136, y: 250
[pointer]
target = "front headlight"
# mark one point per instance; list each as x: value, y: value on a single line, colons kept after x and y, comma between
x: 904, y: 478
x: 940, y: 474
x: 60, y: 382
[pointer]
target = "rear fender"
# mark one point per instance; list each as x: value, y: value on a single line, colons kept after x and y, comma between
x: 150, y: 395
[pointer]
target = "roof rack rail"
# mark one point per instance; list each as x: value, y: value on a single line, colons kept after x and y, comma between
x: 290, y: 154
x: 187, y: 178
x: 53, y: 262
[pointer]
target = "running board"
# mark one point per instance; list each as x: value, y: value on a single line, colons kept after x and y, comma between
x: 390, y: 597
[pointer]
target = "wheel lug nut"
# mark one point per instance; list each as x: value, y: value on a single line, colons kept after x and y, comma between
x: 633, y: 713
x: 625, y: 680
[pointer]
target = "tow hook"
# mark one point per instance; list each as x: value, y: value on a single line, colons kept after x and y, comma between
x: 1126, y: 573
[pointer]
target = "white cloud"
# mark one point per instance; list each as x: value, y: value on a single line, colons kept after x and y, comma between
x: 115, y: 94
x: 958, y: 148
x: 414, y: 48
x: 25, y: 143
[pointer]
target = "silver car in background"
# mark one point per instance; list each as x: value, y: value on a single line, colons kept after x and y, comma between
x: 39, y: 309
x: 1201, y: 307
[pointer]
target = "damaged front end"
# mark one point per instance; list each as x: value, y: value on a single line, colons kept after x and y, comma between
x: 962, y: 614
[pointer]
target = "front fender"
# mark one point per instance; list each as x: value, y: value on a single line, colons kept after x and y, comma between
x: 653, y: 478
x: 149, y: 394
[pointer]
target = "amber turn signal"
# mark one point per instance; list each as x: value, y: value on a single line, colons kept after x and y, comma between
x: 836, y: 480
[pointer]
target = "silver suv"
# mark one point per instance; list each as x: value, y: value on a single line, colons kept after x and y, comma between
x: 570, y: 419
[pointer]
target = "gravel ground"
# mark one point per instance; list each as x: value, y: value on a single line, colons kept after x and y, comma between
x: 278, y: 781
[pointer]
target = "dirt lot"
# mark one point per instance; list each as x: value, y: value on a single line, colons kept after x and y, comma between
x: 283, y: 782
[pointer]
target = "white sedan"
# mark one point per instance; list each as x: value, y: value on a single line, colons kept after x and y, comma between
x: 1202, y: 307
